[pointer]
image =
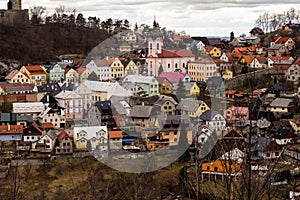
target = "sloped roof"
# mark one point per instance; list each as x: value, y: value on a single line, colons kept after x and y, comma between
x: 190, y: 104
x: 208, y: 115
x: 175, y: 53
x: 173, y: 77
x: 14, y: 87
x: 141, y: 111
x: 66, y: 94
x: 11, y: 74
x: 115, y: 134
x: 62, y: 135
x: 101, y: 62
x: 281, y: 102
x: 11, y: 129
x: 234, y: 154
x: 35, y: 69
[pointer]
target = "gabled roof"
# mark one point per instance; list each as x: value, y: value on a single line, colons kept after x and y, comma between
x: 141, y: 111
x: 11, y: 74
x: 38, y: 69
x: 234, y: 154
x: 172, y: 77
x: 62, y: 135
x: 190, y: 104
x: 33, y: 129
x: 65, y: 94
x: 80, y: 70
x: 208, y: 115
x: 101, y: 63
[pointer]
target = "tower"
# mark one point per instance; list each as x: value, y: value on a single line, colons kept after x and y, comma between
x: 14, y: 5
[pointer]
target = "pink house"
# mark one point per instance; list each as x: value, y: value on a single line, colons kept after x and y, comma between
x: 170, y: 60
x: 174, y: 77
x: 236, y: 113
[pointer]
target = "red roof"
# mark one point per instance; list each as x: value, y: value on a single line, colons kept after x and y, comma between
x: 115, y: 134
x: 11, y: 129
x: 11, y: 87
x: 297, y: 62
x: 35, y: 69
x: 62, y: 135
x: 80, y: 70
x: 280, y: 40
x: 175, y: 53
x: 277, y: 58
x: 48, y: 125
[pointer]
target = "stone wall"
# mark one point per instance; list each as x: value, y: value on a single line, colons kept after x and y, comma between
x: 241, y: 81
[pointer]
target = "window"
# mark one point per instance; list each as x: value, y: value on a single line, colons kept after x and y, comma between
x: 268, y: 155
x: 276, y: 153
x: 215, y: 169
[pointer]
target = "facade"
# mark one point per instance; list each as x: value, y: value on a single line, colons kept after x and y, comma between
x: 293, y: 73
x: 56, y: 74
x: 11, y: 132
x: 202, y: 69
x: 64, y: 144
x: 213, y: 51
x: 72, y: 103
x: 193, y: 107
x: 16, y: 76
x: 149, y: 84
x: 213, y: 120
x: 115, y: 139
x: 32, y: 133
x: 55, y: 116
x: 131, y: 68
x: 91, y: 138
x: 71, y: 76
x: 101, y: 69
x: 28, y: 108
x: 37, y: 74
x: 117, y: 69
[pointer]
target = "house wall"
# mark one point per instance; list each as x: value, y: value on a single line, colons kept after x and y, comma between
x: 11, y: 137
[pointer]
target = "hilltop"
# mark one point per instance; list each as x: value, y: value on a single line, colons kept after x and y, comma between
x: 40, y: 43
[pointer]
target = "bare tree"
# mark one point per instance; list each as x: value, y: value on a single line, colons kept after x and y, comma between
x: 37, y: 14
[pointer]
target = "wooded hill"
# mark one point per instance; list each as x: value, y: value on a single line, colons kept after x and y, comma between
x: 42, y: 43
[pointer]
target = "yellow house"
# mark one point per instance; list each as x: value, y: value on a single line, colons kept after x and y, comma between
x: 72, y: 76
x: 17, y: 77
x: 83, y: 73
x: 227, y: 74
x: 195, y: 89
x: 131, y: 68
x: 165, y: 86
x: 193, y: 107
x: 117, y: 69
x: 213, y: 51
x: 37, y: 74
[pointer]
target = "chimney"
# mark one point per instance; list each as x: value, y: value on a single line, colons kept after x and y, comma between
x: 8, y: 127
x: 143, y: 104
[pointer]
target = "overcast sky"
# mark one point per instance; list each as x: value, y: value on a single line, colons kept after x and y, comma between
x: 196, y: 17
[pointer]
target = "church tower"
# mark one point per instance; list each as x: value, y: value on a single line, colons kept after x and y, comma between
x: 14, y: 5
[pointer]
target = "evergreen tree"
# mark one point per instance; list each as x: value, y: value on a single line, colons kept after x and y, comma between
x: 160, y: 69
x: 180, y: 92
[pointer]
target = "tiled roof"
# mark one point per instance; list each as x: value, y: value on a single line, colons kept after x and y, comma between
x: 11, y: 74
x: 11, y: 129
x: 48, y: 125
x: 175, y: 53
x: 62, y: 135
x: 11, y: 87
x: 101, y: 63
x: 80, y: 70
x: 115, y: 134
x: 208, y: 115
x: 35, y: 69
x: 141, y: 111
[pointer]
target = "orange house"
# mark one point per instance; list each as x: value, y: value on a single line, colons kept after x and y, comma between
x: 228, y: 164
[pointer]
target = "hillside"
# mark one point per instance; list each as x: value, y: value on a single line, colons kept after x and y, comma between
x: 35, y: 44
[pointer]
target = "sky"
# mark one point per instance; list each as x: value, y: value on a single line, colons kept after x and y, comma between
x: 195, y: 17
